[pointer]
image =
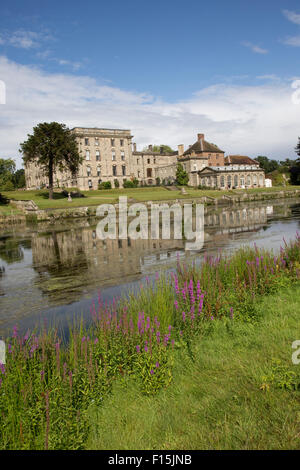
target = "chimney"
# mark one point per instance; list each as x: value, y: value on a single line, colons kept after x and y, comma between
x: 180, y: 150
x: 134, y: 147
x: 201, y: 140
x: 150, y: 148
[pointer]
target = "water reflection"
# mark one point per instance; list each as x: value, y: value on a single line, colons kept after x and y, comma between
x: 49, y: 266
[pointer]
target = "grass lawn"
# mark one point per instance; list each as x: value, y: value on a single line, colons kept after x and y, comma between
x: 94, y: 198
x: 223, y: 398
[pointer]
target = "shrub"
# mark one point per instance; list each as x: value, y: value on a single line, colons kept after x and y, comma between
x: 105, y: 185
x: 116, y: 183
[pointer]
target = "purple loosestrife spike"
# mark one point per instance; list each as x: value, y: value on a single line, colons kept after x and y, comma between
x: 15, y: 331
x: 146, y: 348
x: 26, y: 336
x: 176, y: 304
x: 96, y: 341
x: 138, y: 349
x: 151, y: 371
x: 183, y: 316
x: 2, y: 368
x: 157, y: 365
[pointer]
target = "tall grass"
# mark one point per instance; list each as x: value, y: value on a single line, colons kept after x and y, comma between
x: 47, y: 387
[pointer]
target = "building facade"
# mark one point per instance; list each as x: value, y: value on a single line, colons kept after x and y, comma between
x: 110, y: 155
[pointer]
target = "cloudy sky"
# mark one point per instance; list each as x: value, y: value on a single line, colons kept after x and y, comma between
x: 166, y: 69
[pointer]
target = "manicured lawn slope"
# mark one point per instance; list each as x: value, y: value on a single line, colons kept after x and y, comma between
x: 223, y: 399
x: 94, y: 198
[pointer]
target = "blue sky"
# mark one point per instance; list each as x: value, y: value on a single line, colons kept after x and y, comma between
x: 165, y: 69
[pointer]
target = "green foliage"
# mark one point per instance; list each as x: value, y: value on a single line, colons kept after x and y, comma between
x: 53, y: 147
x: 182, y: 177
x: 157, y: 181
x: 116, y: 183
x: 7, y: 169
x: 8, y: 186
x: 267, y: 164
x: 282, y: 376
x: 104, y: 185
x: 131, y: 183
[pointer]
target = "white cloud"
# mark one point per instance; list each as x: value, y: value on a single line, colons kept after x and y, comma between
x: 292, y: 16
x: 292, y: 41
x: 251, y: 120
x: 255, y: 48
x: 24, y: 39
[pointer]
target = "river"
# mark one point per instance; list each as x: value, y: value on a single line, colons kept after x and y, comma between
x: 54, y: 271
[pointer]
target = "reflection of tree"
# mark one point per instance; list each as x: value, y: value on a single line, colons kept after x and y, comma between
x: 11, y: 250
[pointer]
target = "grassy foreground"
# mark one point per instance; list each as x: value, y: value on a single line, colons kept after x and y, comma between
x: 232, y: 395
x: 94, y: 198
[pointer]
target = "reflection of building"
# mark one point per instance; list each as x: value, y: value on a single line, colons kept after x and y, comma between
x: 108, y: 156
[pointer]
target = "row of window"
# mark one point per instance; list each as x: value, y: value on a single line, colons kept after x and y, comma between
x: 212, y: 181
x: 96, y: 141
x: 98, y: 156
x: 148, y: 161
x: 114, y: 170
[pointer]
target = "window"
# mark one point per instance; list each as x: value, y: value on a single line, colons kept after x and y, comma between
x: 122, y: 142
x: 87, y: 155
x: 97, y: 156
x: 137, y: 161
x: 236, y: 181
x: 99, y: 181
x: 148, y: 161
x: 154, y: 160
x: 195, y: 167
x: 112, y: 142
x: 113, y: 156
x: 96, y: 141
x: 222, y: 181
x: 149, y: 172
x: 88, y: 170
x: 123, y: 170
x: 123, y: 156
x: 86, y: 141
x: 114, y: 170
x: 90, y: 184
x: 98, y: 170
x: 242, y: 180
x: 229, y: 181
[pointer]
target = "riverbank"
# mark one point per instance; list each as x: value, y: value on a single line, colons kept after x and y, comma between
x: 56, y: 395
x: 237, y: 393
x: 35, y: 205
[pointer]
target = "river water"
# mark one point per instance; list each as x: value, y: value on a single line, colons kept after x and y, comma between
x: 54, y: 271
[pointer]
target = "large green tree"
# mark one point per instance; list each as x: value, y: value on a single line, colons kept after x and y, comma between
x: 53, y: 147
x: 7, y: 169
x: 267, y: 164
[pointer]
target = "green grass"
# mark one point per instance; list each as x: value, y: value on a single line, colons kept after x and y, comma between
x: 9, y: 209
x: 216, y: 400
x: 94, y: 198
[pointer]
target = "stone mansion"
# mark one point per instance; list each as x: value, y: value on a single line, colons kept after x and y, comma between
x: 110, y: 155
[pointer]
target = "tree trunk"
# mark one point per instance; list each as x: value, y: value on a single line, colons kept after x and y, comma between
x: 50, y: 178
